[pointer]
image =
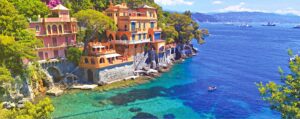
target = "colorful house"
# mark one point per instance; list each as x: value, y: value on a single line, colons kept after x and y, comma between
x: 115, y: 56
x: 137, y: 29
x: 57, y: 33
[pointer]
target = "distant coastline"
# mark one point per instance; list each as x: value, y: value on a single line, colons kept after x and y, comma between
x: 246, y: 17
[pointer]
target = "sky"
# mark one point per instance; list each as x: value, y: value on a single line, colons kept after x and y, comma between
x: 213, y: 6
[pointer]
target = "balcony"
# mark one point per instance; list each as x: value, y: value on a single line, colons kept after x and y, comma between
x: 55, y: 46
x: 128, y: 42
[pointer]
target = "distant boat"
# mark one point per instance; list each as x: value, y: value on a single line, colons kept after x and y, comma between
x: 245, y: 25
x: 228, y: 24
x: 297, y: 27
x: 212, y: 88
x: 269, y: 24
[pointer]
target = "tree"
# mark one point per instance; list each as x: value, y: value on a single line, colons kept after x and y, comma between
x: 284, y: 97
x: 78, y: 5
x: 31, y: 8
x: 11, y: 21
x: 5, y: 81
x: 41, y: 110
x: 95, y: 23
x: 74, y: 54
x: 170, y: 34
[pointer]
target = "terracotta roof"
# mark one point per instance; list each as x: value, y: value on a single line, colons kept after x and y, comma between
x: 60, y: 7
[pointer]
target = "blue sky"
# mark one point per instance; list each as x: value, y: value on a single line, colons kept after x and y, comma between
x: 211, y: 6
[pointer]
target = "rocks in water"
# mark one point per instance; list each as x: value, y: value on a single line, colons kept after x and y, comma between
x: 137, y: 109
x: 144, y: 115
x: 169, y: 116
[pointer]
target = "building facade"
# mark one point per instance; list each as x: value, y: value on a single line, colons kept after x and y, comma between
x: 57, y: 33
x: 116, y: 55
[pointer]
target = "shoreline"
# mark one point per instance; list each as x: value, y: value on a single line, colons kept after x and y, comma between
x: 123, y: 83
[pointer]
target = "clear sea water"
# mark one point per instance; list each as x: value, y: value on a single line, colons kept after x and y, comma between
x: 232, y: 59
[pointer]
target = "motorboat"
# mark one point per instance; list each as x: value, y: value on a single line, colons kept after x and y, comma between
x: 212, y: 88
x: 297, y: 27
x: 269, y: 24
x: 246, y: 26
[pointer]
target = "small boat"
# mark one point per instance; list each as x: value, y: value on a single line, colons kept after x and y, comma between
x: 212, y: 88
x: 246, y: 26
x: 297, y: 27
x: 269, y: 24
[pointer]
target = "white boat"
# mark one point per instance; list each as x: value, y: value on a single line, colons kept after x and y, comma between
x: 297, y: 27
x: 245, y: 25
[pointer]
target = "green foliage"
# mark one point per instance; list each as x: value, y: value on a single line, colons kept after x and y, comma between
x: 285, y: 97
x: 5, y: 81
x: 95, y: 23
x: 10, y: 21
x: 13, y: 52
x: 185, y: 27
x: 78, y: 5
x: 74, y: 54
x: 41, y: 110
x: 94, y: 20
x: 31, y: 8
x: 170, y: 34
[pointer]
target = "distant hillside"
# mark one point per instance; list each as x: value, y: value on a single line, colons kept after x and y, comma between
x: 246, y: 17
x: 203, y: 17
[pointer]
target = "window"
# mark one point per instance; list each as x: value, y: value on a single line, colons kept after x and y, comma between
x: 60, y: 29
x: 86, y: 60
x: 54, y: 29
x: 132, y: 26
x: 93, y: 61
x: 66, y: 40
x: 49, y: 29
x: 144, y: 25
x: 140, y: 36
x: 139, y: 24
x: 54, y: 41
x: 37, y: 28
x: 152, y: 24
x: 102, y: 60
x: 56, y: 53
x: 133, y: 36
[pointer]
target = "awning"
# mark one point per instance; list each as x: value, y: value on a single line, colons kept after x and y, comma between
x: 112, y: 55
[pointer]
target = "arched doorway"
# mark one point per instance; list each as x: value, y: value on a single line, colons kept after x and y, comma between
x: 55, y: 73
x: 90, y: 75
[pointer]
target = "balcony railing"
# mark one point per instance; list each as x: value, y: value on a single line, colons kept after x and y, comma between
x: 131, y: 41
x: 54, y: 46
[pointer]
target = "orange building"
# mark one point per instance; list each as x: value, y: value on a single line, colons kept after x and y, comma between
x: 137, y: 29
x: 137, y: 32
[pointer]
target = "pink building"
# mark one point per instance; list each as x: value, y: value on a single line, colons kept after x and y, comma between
x: 57, y: 32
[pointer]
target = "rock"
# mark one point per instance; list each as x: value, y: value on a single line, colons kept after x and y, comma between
x: 55, y: 92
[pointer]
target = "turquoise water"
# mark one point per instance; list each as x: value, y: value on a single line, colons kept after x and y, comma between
x: 232, y: 59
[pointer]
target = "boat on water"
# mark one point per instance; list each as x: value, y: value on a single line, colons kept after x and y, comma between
x: 297, y: 27
x: 269, y: 24
x: 212, y: 88
x: 245, y: 25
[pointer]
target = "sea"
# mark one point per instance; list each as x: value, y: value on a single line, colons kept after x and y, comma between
x: 233, y: 59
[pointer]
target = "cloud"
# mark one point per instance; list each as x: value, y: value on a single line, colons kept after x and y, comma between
x: 217, y: 2
x: 174, y: 2
x: 238, y: 8
x: 288, y: 11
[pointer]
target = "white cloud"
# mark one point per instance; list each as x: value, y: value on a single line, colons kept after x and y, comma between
x: 238, y: 8
x: 288, y: 11
x: 174, y: 2
x: 217, y: 2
